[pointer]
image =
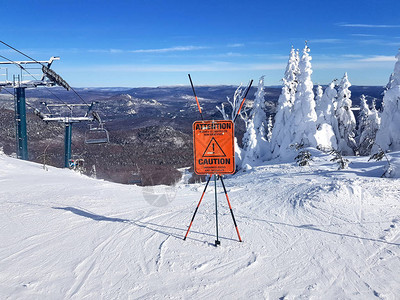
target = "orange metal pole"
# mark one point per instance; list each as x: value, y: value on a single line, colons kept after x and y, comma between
x: 198, y: 104
x: 202, y: 195
x: 244, y: 98
x: 230, y: 207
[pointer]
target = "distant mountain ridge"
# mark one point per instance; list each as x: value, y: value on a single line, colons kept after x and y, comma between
x: 160, y: 116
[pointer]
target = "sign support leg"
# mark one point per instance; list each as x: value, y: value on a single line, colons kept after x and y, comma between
x: 230, y: 207
x: 217, y: 242
x: 202, y: 195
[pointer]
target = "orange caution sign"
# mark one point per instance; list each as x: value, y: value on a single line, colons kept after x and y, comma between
x: 213, y: 143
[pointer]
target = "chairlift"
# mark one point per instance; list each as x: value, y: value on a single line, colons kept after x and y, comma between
x: 97, y: 135
x: 136, y: 178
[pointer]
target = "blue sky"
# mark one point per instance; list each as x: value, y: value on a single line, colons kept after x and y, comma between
x: 157, y: 43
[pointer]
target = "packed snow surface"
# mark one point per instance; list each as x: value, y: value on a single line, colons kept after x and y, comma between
x: 308, y: 232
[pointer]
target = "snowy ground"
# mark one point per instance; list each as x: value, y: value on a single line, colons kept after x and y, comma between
x: 308, y: 232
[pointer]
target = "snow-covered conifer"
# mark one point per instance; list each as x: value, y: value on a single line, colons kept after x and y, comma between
x: 318, y: 98
x: 346, y: 120
x: 388, y: 135
x: 327, y: 126
x: 270, y: 126
x: 368, y: 125
x: 303, y: 119
x: 292, y: 72
x: 374, y: 122
x: 363, y: 115
x: 327, y: 106
x: 280, y: 138
x: 255, y: 144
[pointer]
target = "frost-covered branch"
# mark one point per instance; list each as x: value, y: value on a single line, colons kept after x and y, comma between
x: 378, y: 157
x: 234, y: 104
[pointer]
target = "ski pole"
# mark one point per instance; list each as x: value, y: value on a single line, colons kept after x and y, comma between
x: 244, y: 98
x: 230, y: 207
x: 191, y: 222
x: 198, y: 104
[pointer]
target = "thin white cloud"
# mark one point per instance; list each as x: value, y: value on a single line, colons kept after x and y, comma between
x: 369, y: 25
x: 352, y: 55
x: 116, y: 51
x: 325, y: 41
x: 379, y: 42
x: 157, y: 50
x: 379, y: 58
x: 380, y: 62
x: 171, y: 49
x: 210, y: 67
x: 237, y: 45
x: 363, y: 35
x: 234, y: 54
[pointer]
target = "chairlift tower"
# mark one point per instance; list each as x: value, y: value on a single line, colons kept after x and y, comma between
x: 68, y: 121
x: 19, y: 86
x: 48, y: 78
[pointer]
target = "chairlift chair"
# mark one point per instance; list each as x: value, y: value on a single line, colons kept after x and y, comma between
x: 136, y: 178
x: 97, y: 135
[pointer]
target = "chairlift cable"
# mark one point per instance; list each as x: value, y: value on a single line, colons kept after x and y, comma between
x: 83, y: 100
x: 27, y: 103
x: 41, y: 65
x: 9, y: 93
x: 66, y: 104
x: 9, y: 46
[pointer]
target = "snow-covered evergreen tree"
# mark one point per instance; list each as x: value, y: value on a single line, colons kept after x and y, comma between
x: 292, y: 72
x: 362, y: 120
x: 327, y: 126
x: 326, y: 113
x: 303, y: 120
x: 388, y: 135
x: 270, y: 126
x: 255, y: 144
x: 280, y: 138
x: 318, y: 97
x: 374, y: 123
x: 346, y: 120
x: 368, y: 125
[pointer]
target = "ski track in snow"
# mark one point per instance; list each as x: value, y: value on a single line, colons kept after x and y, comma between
x: 307, y: 234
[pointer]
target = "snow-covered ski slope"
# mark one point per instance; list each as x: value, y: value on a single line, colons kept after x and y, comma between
x: 308, y: 233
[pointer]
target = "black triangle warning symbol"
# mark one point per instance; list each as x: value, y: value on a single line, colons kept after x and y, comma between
x: 213, y: 150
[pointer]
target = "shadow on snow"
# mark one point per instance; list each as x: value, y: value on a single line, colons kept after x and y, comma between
x: 163, y: 229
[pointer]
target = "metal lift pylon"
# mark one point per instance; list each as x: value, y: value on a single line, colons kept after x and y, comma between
x: 20, y: 101
x: 68, y: 121
x: 20, y: 123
